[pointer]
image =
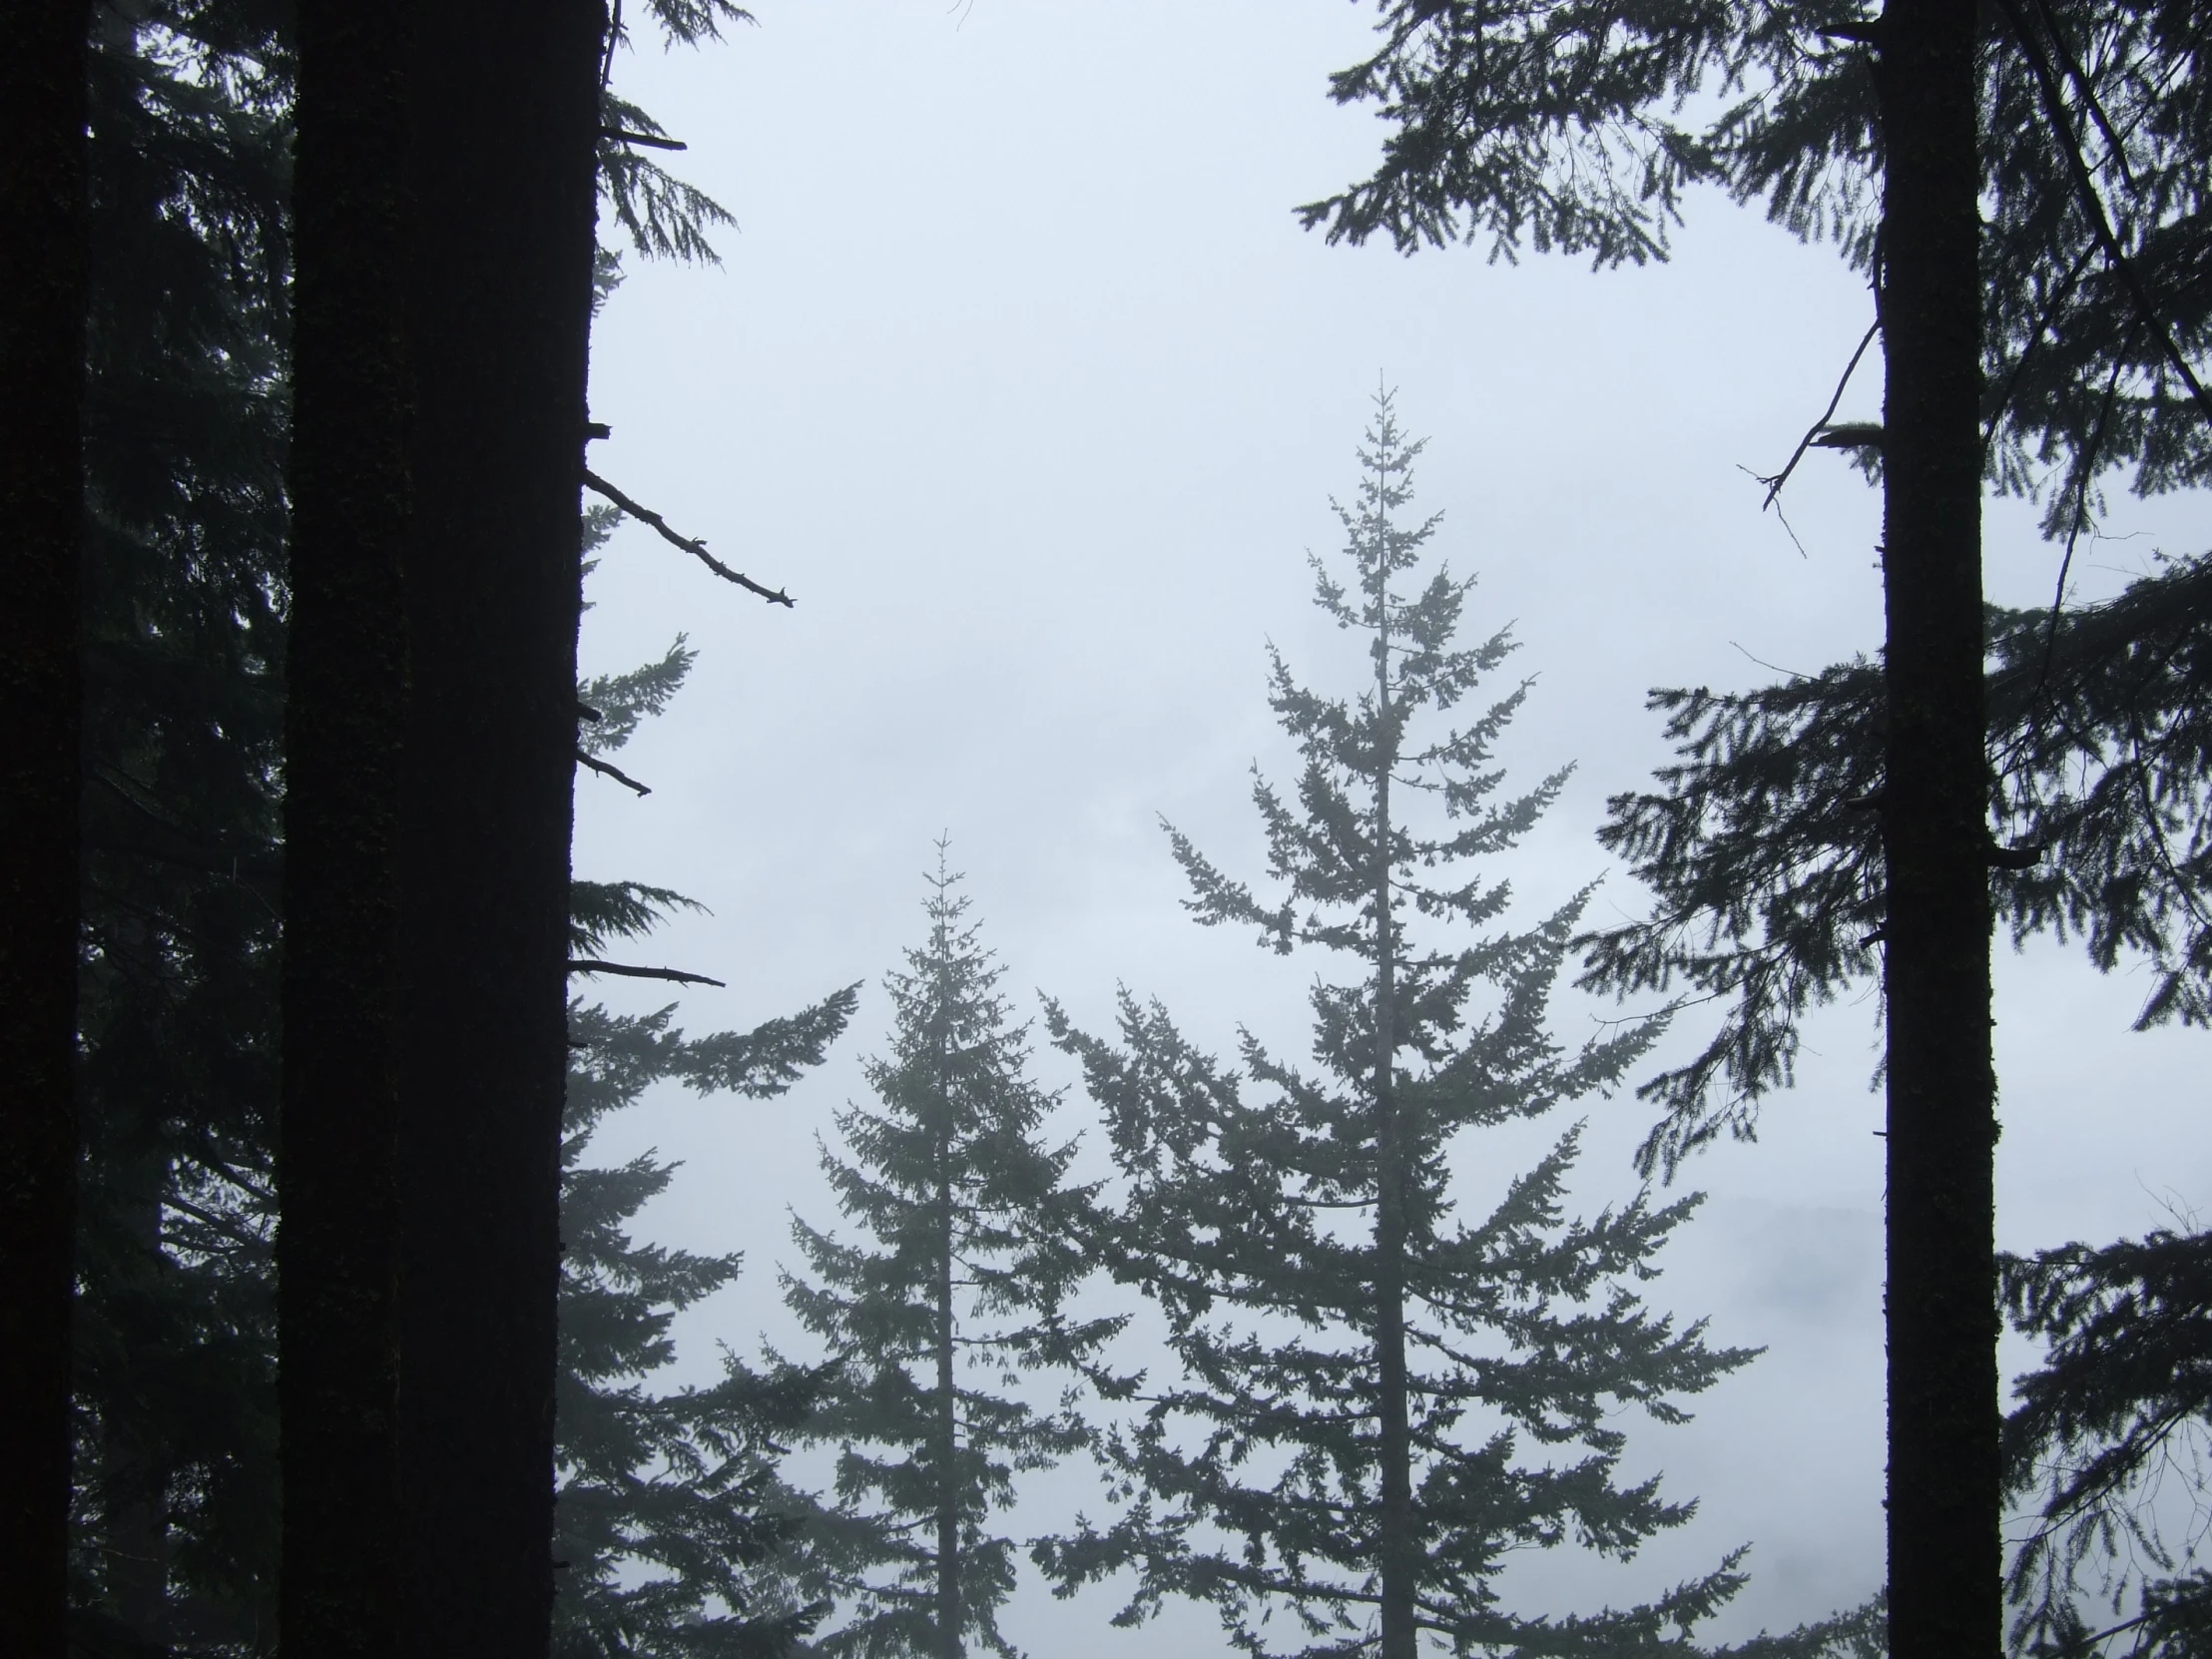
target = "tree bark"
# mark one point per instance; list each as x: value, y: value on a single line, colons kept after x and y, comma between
x: 43, y: 230
x: 505, y: 182
x: 1946, y: 1555
x: 344, y: 727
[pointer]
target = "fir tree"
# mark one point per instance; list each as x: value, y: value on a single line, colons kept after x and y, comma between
x: 668, y: 1510
x: 2025, y: 186
x: 2121, y: 1405
x: 43, y: 305
x: 965, y: 1263
x: 174, y: 1526
x: 1377, y: 1401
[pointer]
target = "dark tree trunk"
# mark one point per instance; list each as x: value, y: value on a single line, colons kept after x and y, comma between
x: 43, y: 243
x: 345, y: 727
x: 505, y: 182
x: 1944, y: 1549
x: 1399, y: 1562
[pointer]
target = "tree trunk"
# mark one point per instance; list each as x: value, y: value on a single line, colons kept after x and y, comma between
x: 505, y: 182
x: 345, y: 727
x: 1399, y: 1562
x: 948, y: 1427
x: 1944, y: 1549
x: 43, y: 236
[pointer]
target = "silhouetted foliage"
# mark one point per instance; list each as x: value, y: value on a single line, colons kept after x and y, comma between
x: 964, y: 1261
x: 1377, y: 1402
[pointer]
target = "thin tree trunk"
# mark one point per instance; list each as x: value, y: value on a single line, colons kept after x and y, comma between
x: 345, y: 727
x: 43, y: 257
x: 948, y: 1431
x: 1944, y: 1549
x: 1399, y: 1565
x: 505, y: 179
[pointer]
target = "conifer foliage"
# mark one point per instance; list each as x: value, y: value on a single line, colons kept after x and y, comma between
x: 1377, y: 1400
x: 965, y: 1265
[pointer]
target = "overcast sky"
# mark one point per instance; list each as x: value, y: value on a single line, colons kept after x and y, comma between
x: 1022, y: 379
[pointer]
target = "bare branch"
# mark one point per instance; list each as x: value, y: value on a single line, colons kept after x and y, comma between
x: 690, y: 544
x: 646, y: 138
x: 605, y: 770
x: 622, y: 970
x: 1816, y: 432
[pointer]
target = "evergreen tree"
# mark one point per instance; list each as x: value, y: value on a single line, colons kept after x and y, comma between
x: 967, y: 1265
x: 352, y: 488
x: 2059, y: 326
x: 173, y: 1351
x: 2121, y: 1405
x: 668, y: 1507
x: 43, y: 304
x: 1359, y: 1370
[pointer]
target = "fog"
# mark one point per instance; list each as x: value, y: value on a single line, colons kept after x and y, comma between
x: 1021, y: 378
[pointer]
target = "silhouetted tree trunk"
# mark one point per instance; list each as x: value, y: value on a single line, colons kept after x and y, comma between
x: 344, y: 727
x: 1944, y: 1507
x: 43, y: 238
x: 505, y: 185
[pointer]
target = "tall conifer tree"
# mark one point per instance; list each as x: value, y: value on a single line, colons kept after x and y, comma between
x: 1360, y: 1371
x: 964, y: 1265
x: 2023, y: 183
x: 43, y: 297
x: 346, y: 725
x: 503, y: 163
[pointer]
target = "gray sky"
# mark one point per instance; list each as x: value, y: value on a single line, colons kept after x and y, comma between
x: 1021, y: 377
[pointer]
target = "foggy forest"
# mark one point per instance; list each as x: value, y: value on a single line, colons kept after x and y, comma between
x: 922, y: 828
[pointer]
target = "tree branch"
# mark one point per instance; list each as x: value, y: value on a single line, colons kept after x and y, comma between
x: 614, y: 771
x: 646, y: 138
x: 1813, y: 432
x: 690, y: 544
x: 590, y: 964
x: 2092, y: 204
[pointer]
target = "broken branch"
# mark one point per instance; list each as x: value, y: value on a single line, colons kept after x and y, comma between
x: 606, y: 771
x: 590, y: 964
x: 690, y: 544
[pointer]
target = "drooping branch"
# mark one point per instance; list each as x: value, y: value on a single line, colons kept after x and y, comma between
x: 607, y: 770
x: 690, y: 544
x: 624, y: 971
x: 2092, y: 204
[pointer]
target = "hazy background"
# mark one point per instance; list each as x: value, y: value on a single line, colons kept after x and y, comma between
x: 1021, y: 377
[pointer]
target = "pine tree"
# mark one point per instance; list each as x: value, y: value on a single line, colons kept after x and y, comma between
x: 671, y: 1512
x: 1360, y: 1370
x: 173, y: 1531
x: 965, y: 1263
x: 2059, y: 326
x: 43, y: 305
x: 2121, y: 1404
x: 669, y: 1506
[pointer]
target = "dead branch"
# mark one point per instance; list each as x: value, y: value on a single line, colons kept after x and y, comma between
x: 622, y: 970
x: 647, y: 139
x: 690, y: 544
x: 1814, y: 432
x: 606, y: 771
